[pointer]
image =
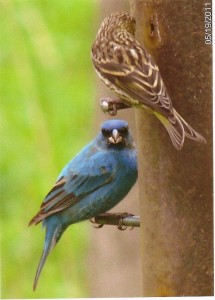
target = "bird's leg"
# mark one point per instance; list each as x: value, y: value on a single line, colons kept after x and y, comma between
x: 111, y: 219
x: 109, y: 105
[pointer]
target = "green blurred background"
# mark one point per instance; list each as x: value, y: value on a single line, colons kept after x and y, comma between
x: 47, y: 116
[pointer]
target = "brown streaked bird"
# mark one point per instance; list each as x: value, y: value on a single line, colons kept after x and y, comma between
x: 132, y: 74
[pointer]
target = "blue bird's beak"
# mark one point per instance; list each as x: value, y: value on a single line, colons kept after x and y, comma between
x: 115, y: 138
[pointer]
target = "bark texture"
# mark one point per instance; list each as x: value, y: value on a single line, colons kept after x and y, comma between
x: 176, y: 186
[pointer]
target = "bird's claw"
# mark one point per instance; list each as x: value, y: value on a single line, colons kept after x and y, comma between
x: 116, y: 219
x: 120, y: 224
x: 108, y: 106
x: 99, y: 225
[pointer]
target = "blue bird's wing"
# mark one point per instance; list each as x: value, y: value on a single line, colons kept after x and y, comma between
x: 72, y: 187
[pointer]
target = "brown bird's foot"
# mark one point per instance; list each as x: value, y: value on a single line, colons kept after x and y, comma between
x: 109, y: 105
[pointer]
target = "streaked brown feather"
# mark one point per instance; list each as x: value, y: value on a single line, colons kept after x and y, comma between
x: 136, y: 71
x: 132, y: 74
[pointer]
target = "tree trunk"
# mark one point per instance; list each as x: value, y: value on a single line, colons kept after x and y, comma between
x: 176, y: 186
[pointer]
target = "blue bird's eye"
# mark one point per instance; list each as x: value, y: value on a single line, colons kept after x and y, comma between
x: 124, y: 130
x: 105, y: 132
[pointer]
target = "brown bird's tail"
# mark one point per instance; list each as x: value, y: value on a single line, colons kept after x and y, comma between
x: 189, y: 131
x: 178, y: 129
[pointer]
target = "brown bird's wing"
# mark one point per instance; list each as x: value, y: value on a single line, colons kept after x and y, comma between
x: 135, y: 76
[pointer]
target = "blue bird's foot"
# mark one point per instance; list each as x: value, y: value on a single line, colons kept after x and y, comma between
x: 120, y: 225
x: 111, y: 219
x: 121, y: 216
x: 94, y: 222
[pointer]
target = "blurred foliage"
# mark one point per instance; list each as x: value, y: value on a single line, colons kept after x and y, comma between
x: 47, y: 111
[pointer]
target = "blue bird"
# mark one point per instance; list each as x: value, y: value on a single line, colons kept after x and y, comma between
x: 93, y: 182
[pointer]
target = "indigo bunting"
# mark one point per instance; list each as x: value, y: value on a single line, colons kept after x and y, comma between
x: 132, y: 74
x: 93, y: 182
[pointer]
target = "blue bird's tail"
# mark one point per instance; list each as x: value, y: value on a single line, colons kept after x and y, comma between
x: 53, y: 234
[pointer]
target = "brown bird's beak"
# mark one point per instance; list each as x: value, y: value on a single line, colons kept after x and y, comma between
x: 115, y: 138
